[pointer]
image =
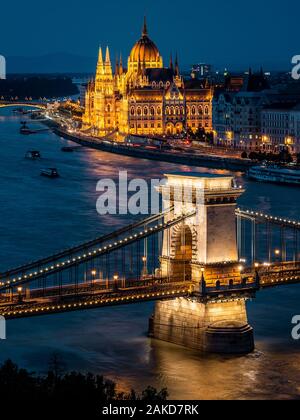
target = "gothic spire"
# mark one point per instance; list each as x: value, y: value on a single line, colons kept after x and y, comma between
x: 107, y: 56
x: 100, y: 57
x: 145, y: 29
x: 117, y: 69
x: 100, y: 64
x: 171, y: 62
x: 176, y: 66
x: 121, y: 64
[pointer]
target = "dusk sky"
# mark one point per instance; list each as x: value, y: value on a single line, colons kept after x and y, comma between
x: 229, y: 33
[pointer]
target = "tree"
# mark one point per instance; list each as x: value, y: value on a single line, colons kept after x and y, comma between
x: 253, y: 156
x: 151, y: 394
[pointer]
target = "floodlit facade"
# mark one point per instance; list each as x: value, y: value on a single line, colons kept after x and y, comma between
x: 146, y: 98
x: 281, y: 126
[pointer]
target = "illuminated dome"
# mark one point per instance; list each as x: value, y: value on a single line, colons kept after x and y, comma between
x: 145, y: 52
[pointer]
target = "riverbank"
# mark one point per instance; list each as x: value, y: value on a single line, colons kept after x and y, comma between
x: 209, y: 161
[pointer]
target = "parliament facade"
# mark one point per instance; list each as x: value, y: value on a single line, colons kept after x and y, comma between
x: 146, y: 98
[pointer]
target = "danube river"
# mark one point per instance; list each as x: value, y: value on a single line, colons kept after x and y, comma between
x: 39, y: 216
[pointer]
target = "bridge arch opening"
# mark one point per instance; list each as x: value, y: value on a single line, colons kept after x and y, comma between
x: 183, y: 252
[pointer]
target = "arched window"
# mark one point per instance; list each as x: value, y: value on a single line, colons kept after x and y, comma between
x: 172, y: 111
x: 146, y: 111
x: 200, y: 110
x: 108, y: 108
x: 188, y: 110
x: 152, y: 111
x: 132, y: 111
x: 177, y: 111
x: 193, y: 110
x: 167, y: 110
x: 206, y: 110
x: 153, y: 85
x: 139, y: 111
x: 182, y: 110
x: 159, y: 110
x: 161, y: 85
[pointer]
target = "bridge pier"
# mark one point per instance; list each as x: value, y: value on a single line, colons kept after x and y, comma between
x: 204, y: 249
x: 211, y: 326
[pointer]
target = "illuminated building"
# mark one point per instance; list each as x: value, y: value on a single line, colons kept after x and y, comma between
x: 237, y: 114
x: 146, y: 98
x: 281, y: 126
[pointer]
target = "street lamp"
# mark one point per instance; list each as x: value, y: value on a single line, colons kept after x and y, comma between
x: 203, y: 282
x: 94, y: 274
x: 145, y: 271
x: 277, y: 253
x: 20, y: 297
x: 116, y: 278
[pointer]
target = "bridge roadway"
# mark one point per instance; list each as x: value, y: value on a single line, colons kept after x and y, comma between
x: 82, y: 299
x: 4, y: 104
x: 279, y: 274
x: 102, y: 294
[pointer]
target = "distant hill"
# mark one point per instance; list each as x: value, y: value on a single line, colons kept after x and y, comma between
x: 37, y: 87
x: 51, y: 63
x: 72, y: 63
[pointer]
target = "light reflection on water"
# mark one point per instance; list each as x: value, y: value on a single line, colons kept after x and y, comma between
x: 40, y: 216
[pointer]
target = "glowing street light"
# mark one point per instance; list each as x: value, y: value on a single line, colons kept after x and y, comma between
x: 20, y: 297
x: 116, y: 278
x: 145, y: 271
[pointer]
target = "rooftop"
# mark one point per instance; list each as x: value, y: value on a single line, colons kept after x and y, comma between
x: 197, y: 175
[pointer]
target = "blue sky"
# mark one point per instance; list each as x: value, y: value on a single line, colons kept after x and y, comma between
x: 232, y: 33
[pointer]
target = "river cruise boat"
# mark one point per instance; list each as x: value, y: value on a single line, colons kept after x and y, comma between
x: 50, y: 173
x: 275, y: 174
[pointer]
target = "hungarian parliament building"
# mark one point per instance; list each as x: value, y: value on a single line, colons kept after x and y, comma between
x: 146, y: 98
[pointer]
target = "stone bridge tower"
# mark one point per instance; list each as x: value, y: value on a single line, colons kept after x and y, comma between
x: 203, y: 250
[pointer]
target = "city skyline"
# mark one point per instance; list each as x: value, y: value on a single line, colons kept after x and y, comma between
x: 199, y: 33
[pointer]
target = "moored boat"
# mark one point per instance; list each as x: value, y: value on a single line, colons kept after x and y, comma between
x: 275, y: 174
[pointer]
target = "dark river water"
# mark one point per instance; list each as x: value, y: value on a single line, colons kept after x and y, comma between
x: 39, y: 216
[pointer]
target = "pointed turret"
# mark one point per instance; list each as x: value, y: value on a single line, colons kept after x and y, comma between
x: 107, y: 56
x: 177, y: 72
x: 100, y: 62
x: 171, y: 66
x: 121, y: 70
x: 100, y: 56
x: 117, y: 68
x: 107, y: 64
